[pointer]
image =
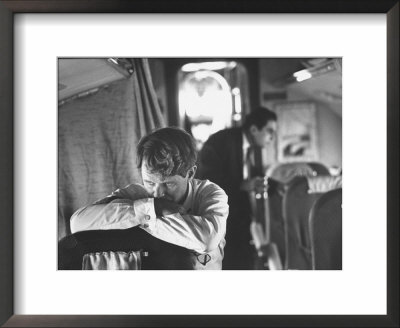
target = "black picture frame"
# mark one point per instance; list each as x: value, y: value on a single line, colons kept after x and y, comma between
x: 10, y: 7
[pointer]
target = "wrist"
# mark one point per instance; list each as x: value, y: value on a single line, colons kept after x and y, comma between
x: 145, y: 212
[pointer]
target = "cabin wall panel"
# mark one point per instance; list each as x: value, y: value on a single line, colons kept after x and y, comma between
x: 329, y: 122
x: 329, y: 131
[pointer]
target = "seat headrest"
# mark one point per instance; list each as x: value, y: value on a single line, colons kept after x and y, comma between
x: 284, y: 173
x: 321, y: 184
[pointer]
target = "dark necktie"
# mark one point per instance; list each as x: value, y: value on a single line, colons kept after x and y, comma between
x: 249, y: 162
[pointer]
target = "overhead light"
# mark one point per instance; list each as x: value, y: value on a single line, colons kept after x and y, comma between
x: 302, y: 75
x: 113, y: 60
x: 122, y: 65
x: 321, y: 68
x: 210, y: 66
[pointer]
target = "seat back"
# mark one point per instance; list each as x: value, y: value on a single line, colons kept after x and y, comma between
x: 285, y: 172
x: 319, y: 168
x: 111, y: 260
x: 326, y: 231
x: 301, y: 194
x: 277, y: 229
x: 127, y: 249
x: 280, y: 176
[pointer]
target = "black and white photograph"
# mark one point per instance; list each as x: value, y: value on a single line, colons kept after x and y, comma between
x: 200, y: 163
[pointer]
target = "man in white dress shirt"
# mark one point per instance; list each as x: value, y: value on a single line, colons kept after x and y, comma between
x: 170, y: 205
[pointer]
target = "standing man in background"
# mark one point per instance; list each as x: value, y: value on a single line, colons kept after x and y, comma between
x: 227, y: 159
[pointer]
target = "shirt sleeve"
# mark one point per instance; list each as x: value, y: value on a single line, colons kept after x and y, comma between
x: 201, y: 231
x: 117, y: 214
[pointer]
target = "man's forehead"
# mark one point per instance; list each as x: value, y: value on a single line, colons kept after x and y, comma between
x: 271, y: 125
x: 156, y: 177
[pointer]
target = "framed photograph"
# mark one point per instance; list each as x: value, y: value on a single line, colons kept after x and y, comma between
x: 34, y: 34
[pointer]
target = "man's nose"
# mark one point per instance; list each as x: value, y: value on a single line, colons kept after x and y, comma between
x: 159, y: 190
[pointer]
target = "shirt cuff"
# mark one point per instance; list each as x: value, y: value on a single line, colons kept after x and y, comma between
x: 144, y: 210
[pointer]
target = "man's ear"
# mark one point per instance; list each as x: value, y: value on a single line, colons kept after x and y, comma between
x: 192, y: 171
x: 253, y: 129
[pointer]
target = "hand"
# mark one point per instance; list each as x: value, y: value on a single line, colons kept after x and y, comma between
x: 165, y: 207
x: 257, y: 184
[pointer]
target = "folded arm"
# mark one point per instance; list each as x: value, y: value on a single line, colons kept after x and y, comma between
x: 201, y: 231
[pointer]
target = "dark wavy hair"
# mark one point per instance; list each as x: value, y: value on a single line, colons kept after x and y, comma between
x: 259, y: 117
x: 167, y: 151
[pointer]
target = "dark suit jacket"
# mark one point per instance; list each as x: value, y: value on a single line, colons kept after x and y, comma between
x: 221, y: 161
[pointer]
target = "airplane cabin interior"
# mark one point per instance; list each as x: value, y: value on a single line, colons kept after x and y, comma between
x: 106, y: 105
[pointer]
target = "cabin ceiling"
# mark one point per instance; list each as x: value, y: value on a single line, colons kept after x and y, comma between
x: 79, y: 75
x: 324, y: 87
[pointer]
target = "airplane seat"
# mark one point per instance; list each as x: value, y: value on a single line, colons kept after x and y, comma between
x: 127, y: 249
x: 301, y: 194
x: 285, y: 172
x: 280, y: 175
x: 319, y: 168
x: 277, y: 234
x: 113, y: 260
x: 326, y: 231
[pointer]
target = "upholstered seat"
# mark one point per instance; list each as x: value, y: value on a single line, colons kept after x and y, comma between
x: 326, y: 231
x: 297, y: 202
x: 285, y: 172
x: 280, y: 176
x: 142, y: 251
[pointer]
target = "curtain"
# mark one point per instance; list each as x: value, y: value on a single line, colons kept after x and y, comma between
x: 97, y: 138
